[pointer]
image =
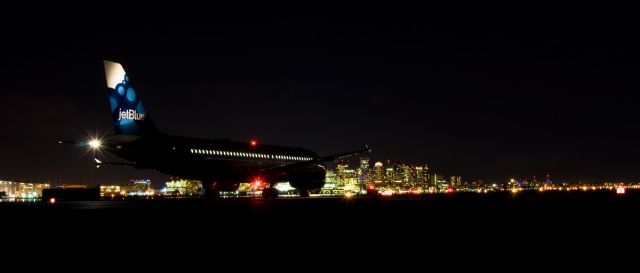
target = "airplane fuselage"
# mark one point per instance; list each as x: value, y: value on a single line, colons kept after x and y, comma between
x: 223, y: 162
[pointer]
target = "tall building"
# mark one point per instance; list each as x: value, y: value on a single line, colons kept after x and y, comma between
x: 364, y: 163
x: 421, y: 176
x: 439, y: 181
x: 346, y: 179
x: 363, y: 173
x: 389, y: 174
x: 330, y: 177
x: 341, y: 168
x: 455, y: 181
x: 378, y: 173
x: 404, y: 174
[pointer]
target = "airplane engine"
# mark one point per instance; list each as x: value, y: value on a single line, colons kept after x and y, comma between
x: 308, y: 178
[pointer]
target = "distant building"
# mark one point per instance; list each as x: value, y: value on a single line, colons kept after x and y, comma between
x: 455, y: 181
x: 139, y: 187
x: 439, y: 181
x: 330, y: 177
x: 22, y: 189
x: 363, y: 171
x: 183, y: 187
x: 347, y: 179
x: 378, y: 173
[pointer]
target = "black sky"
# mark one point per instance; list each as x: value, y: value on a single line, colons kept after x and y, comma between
x: 482, y: 92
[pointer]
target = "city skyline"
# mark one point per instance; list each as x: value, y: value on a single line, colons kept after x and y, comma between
x: 481, y: 93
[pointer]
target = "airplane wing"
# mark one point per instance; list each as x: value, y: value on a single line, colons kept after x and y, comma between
x: 329, y: 158
x: 323, y: 159
x: 100, y: 163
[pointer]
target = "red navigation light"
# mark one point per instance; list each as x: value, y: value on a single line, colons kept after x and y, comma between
x: 257, y: 182
x: 52, y: 200
x: 372, y: 187
x: 254, y: 143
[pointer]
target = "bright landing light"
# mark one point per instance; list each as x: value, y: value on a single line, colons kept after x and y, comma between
x: 95, y: 144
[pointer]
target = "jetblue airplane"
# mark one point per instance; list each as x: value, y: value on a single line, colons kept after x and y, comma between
x: 219, y: 164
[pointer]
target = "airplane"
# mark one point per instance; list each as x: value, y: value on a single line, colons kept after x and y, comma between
x: 220, y: 164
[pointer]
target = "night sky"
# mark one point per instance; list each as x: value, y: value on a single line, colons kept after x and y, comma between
x: 481, y: 92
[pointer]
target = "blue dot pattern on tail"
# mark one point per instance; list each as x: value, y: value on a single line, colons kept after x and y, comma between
x: 126, y: 109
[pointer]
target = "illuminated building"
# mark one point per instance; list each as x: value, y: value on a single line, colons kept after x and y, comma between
x: 389, y: 175
x: 378, y: 173
x: 455, y: 181
x: 422, y: 176
x: 341, y: 168
x: 138, y: 187
x: 329, y: 184
x: 22, y: 189
x: 439, y: 181
x: 363, y: 172
x: 330, y: 177
x: 141, y: 185
x: 404, y: 174
x: 398, y: 177
x: 183, y: 187
x: 364, y: 163
x: 110, y: 191
x: 347, y: 179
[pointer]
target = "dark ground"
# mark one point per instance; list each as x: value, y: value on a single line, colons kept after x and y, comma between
x: 523, y: 228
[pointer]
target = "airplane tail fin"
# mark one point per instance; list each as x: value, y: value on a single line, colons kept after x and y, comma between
x: 127, y: 112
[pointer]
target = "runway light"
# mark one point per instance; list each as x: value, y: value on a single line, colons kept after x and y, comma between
x: 52, y: 200
x: 95, y: 143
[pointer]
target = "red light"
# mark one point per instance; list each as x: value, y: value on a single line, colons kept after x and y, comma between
x: 257, y: 182
x: 52, y: 200
x: 254, y: 143
x: 372, y: 187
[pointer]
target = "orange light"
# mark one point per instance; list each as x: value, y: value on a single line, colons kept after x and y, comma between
x: 254, y: 143
x: 52, y: 200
